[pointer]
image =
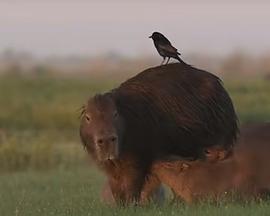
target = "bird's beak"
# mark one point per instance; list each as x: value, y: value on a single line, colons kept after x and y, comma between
x: 150, y: 36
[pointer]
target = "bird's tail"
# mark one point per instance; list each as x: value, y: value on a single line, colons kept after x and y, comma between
x: 180, y: 60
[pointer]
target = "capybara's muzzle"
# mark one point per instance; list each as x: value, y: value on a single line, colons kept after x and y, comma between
x: 107, y: 147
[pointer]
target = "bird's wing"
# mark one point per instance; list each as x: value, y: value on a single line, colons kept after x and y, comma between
x: 169, y: 48
x: 166, y: 41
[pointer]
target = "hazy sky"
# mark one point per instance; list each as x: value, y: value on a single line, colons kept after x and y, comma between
x: 98, y: 27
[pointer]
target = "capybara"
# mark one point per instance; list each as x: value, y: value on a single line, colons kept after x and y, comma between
x: 246, y: 172
x: 172, y: 109
x: 254, y: 134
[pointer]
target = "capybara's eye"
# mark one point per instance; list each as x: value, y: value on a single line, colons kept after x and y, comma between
x: 88, y: 118
x: 206, y: 151
x: 115, y: 115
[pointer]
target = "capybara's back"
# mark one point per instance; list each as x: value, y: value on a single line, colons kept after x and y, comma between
x: 192, y: 181
x: 255, y: 135
x: 177, y: 109
x: 254, y: 143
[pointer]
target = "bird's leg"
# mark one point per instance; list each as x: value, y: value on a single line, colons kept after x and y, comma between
x: 163, y: 60
x: 168, y: 60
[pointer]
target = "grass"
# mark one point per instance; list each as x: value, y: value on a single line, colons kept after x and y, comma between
x: 43, y: 103
x: 45, y: 171
x: 76, y: 192
x: 251, y: 99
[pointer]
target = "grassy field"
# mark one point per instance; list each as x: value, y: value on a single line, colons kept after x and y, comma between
x: 45, y: 171
x: 76, y: 192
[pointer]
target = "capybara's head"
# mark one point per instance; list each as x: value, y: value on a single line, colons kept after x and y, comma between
x: 101, y: 127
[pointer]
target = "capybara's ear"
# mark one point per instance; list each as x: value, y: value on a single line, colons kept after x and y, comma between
x: 185, y: 166
x: 209, y: 152
x: 81, y: 110
x: 214, y: 154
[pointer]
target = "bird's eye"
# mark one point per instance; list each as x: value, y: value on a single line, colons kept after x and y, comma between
x: 88, y: 118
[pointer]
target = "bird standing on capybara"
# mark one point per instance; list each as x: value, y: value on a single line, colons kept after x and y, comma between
x: 246, y: 172
x: 174, y: 109
x: 165, y: 48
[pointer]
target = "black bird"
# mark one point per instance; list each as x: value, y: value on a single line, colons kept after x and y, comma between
x: 165, y: 48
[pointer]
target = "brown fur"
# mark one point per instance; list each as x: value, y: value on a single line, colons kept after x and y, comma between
x: 154, y: 192
x: 106, y: 194
x: 251, y: 134
x: 172, y: 109
x: 255, y: 133
x: 246, y: 172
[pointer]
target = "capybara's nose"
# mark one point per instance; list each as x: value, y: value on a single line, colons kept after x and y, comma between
x: 103, y: 140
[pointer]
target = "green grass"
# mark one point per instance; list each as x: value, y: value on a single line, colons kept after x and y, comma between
x: 251, y: 99
x: 43, y: 103
x: 76, y: 192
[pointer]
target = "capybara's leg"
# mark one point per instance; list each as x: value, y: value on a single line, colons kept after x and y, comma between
x: 106, y: 194
x: 152, y: 190
x: 168, y: 173
x: 126, y: 188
